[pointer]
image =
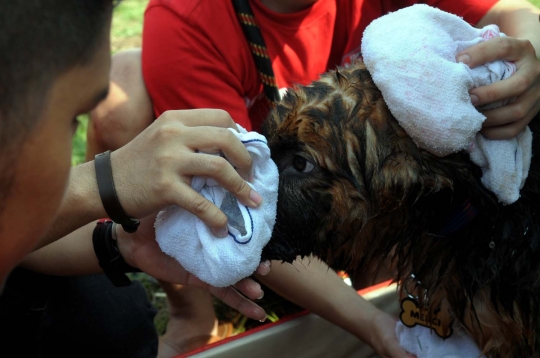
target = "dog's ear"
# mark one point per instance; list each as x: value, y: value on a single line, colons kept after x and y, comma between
x: 396, y: 172
x: 405, y: 191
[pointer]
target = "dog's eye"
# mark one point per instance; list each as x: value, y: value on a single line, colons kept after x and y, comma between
x: 302, y: 165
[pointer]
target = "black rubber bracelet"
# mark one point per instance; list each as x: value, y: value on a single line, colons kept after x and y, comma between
x: 110, y: 260
x: 108, y: 195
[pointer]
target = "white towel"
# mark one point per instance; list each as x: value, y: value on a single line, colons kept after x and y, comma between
x: 411, y: 55
x: 424, y: 343
x: 224, y: 261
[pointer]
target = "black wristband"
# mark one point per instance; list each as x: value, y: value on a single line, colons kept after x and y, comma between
x: 108, y: 195
x: 108, y: 255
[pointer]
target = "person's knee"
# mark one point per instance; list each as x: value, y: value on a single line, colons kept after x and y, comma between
x: 127, y: 110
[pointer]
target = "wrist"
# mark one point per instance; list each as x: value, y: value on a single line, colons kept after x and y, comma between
x: 83, y: 193
x: 370, y: 318
x: 124, y: 242
x: 124, y: 188
x: 107, y: 191
x: 108, y: 254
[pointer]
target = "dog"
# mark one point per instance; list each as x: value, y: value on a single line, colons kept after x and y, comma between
x: 355, y: 190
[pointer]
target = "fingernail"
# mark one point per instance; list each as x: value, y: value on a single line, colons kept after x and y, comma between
x: 222, y: 232
x: 261, y: 296
x: 474, y: 99
x: 464, y: 59
x: 267, y: 265
x: 264, y: 319
x: 255, y: 197
x: 251, y: 177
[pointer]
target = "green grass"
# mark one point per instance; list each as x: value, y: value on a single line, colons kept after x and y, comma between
x: 127, y: 24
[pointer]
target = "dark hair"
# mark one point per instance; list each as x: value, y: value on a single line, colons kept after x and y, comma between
x: 40, y: 40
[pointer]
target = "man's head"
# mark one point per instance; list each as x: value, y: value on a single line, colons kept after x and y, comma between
x: 54, y: 65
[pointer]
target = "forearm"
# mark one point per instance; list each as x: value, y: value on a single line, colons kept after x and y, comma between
x: 516, y: 18
x: 80, y: 206
x: 70, y: 256
x: 312, y: 285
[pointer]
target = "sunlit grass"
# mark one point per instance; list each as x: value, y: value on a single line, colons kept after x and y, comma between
x: 127, y: 24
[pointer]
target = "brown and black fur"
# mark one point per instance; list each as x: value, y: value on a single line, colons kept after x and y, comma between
x: 373, y: 194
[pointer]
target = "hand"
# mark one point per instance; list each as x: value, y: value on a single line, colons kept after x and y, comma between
x: 383, y: 337
x: 141, y: 250
x: 508, y: 121
x: 155, y: 169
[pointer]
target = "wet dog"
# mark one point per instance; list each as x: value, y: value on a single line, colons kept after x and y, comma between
x: 354, y: 190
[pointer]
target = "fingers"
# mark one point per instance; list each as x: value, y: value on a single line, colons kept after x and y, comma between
x: 499, y: 48
x: 157, y: 264
x: 518, y: 51
x: 509, y: 88
x: 204, y: 130
x: 264, y: 268
x: 250, y: 288
x: 240, y: 303
x: 201, y: 207
x: 507, y: 131
x: 199, y: 164
x: 214, y: 140
x: 515, y: 111
x: 508, y: 121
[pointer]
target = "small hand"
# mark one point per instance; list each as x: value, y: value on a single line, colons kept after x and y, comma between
x: 383, y: 337
x: 155, y: 169
x: 508, y: 121
x: 141, y: 250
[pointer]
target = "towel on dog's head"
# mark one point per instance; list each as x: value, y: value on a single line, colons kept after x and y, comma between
x: 218, y: 261
x: 411, y: 56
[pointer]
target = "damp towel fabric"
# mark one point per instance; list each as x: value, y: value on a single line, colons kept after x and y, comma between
x: 411, y: 56
x: 222, y: 262
x: 424, y: 343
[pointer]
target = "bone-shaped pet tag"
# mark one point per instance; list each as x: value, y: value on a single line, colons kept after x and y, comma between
x: 412, y: 314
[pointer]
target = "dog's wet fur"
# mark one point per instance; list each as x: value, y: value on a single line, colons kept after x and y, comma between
x: 355, y: 189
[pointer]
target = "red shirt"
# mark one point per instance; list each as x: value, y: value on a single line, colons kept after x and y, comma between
x: 195, y: 54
